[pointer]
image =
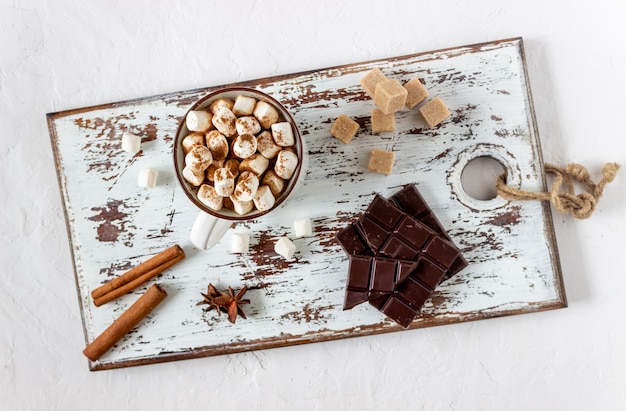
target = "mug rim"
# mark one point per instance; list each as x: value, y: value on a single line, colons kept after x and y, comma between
x: 179, y: 155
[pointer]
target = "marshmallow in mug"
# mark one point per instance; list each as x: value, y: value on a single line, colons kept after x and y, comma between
x: 247, y: 125
x: 224, y: 121
x: 199, y: 157
x: 264, y: 199
x: 244, y: 145
x: 198, y: 120
x: 286, y: 163
x: 217, y: 144
x: 283, y: 134
x: 244, y: 105
x: 224, y: 182
x: 210, y: 197
x: 266, y: 114
x: 256, y: 163
x: 246, y: 186
x: 266, y: 145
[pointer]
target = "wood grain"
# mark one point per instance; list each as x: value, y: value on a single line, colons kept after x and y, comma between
x: 113, y: 224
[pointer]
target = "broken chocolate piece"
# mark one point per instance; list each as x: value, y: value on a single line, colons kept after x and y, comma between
x: 373, y: 277
x: 410, y: 200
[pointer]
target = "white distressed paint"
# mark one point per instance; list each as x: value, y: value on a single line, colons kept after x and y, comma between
x: 513, y: 267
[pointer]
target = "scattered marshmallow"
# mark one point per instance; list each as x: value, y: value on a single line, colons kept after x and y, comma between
x: 198, y: 120
x: 147, y: 178
x: 303, y: 228
x: 210, y: 197
x: 286, y: 163
x: 244, y: 105
x: 247, y: 125
x: 283, y: 134
x: 266, y: 114
x: 285, y: 247
x: 240, y: 243
x: 264, y: 199
x: 131, y: 143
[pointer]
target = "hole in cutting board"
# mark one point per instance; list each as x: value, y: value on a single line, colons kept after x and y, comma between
x: 479, y: 177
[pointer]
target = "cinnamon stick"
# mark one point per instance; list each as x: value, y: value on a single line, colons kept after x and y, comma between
x: 126, y: 322
x: 137, y: 275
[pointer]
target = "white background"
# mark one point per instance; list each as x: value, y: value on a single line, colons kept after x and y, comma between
x: 58, y: 55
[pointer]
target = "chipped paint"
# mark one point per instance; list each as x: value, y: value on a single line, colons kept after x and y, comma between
x: 114, y: 224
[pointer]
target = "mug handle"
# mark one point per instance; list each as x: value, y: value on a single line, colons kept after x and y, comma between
x: 208, y: 230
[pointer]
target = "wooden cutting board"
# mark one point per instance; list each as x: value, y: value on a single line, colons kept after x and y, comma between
x: 113, y: 224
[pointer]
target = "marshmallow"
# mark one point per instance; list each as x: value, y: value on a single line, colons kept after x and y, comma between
x: 193, y: 176
x: 283, y: 134
x: 266, y: 145
x: 224, y: 121
x: 247, y: 125
x: 255, y: 163
x: 147, y: 178
x: 264, y: 199
x: 275, y: 183
x: 131, y: 143
x: 265, y: 113
x: 286, y: 163
x: 221, y: 102
x: 246, y: 187
x: 303, y: 228
x: 209, y: 197
x: 224, y: 182
x: 199, y: 157
x: 192, y: 140
x: 241, y: 207
x: 198, y: 120
x: 217, y: 143
x: 244, y: 105
x: 210, y: 171
x: 285, y: 247
x: 233, y: 165
x: 240, y: 243
x: 244, y: 145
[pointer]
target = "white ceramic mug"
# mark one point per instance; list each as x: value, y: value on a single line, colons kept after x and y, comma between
x: 210, y: 225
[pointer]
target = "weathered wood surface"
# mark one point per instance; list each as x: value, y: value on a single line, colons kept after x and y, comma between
x: 113, y: 224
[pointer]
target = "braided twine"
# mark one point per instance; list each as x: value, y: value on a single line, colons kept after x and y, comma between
x: 562, y: 195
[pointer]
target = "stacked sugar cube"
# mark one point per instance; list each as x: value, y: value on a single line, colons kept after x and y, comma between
x: 390, y: 96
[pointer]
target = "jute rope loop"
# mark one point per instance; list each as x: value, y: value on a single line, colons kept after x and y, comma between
x: 562, y: 195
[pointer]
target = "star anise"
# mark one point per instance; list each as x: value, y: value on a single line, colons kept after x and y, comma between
x: 227, y: 302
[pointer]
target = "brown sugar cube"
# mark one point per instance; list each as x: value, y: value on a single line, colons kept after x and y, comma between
x: 382, y: 122
x: 371, y: 80
x: 434, y: 112
x: 390, y: 96
x: 381, y: 161
x: 344, y: 128
x: 416, y: 92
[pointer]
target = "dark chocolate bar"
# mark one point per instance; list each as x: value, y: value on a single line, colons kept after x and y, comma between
x: 399, y: 253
